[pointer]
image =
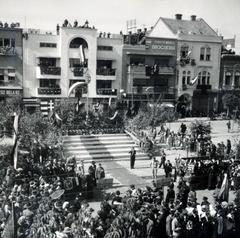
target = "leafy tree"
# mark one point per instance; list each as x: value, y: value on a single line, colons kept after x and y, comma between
x: 151, y: 116
x: 8, y: 108
x: 34, y: 129
x: 230, y: 101
x: 200, y: 130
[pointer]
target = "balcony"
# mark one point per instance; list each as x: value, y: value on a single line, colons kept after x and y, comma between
x: 106, y: 74
x: 204, y: 87
x: 48, y: 71
x: 49, y: 91
x: 8, y: 51
x: 51, y: 70
x: 153, y: 93
x: 107, y: 91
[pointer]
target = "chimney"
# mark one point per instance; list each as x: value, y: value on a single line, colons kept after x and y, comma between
x: 193, y: 17
x: 178, y: 16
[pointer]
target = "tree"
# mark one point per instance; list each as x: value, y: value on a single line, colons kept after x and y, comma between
x: 34, y: 129
x: 230, y: 101
x: 200, y: 130
x: 8, y: 108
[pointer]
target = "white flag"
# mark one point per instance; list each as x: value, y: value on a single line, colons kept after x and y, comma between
x: 82, y: 59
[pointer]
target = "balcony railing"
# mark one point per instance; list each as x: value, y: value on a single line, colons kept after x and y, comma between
x: 78, y: 71
x: 49, y: 91
x: 151, y: 70
x: 107, y: 91
x: 106, y: 72
x: 204, y: 86
x: 5, y: 50
x: 154, y: 92
x: 50, y: 70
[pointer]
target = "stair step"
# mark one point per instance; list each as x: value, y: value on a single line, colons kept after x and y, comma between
x: 100, y: 150
x: 106, y: 155
x: 97, y: 138
x: 99, y: 143
x: 98, y: 135
x: 98, y: 146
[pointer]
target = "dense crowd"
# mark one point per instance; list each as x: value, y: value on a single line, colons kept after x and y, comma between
x: 32, y: 192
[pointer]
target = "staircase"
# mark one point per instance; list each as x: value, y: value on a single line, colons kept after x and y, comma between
x: 101, y: 147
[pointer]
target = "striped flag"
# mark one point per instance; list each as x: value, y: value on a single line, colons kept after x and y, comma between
x: 46, y: 106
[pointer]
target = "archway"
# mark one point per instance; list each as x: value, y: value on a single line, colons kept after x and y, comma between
x: 76, y: 42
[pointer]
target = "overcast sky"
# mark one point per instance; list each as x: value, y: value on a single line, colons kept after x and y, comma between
x: 111, y: 15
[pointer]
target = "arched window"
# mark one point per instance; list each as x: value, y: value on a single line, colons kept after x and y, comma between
x: 237, y: 79
x: 205, y: 53
x: 204, y: 78
x: 228, y: 76
x: 184, y: 75
x: 188, y: 77
x: 76, y: 42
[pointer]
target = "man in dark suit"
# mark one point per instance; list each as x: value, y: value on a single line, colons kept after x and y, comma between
x: 132, y: 153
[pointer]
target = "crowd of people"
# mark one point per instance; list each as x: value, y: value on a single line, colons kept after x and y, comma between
x: 31, y: 192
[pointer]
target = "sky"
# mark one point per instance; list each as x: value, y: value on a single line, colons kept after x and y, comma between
x: 112, y: 15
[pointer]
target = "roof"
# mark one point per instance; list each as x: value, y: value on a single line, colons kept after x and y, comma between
x: 189, y: 27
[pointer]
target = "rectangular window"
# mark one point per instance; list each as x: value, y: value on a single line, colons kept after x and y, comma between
x: 184, y: 80
x: 228, y: 80
x: 6, y: 42
x: 188, y: 79
x: 137, y: 60
x: 105, y: 47
x: 202, y: 53
x: 13, y: 42
x: 48, y: 83
x: 47, y: 61
x: 208, y: 54
x: 48, y: 45
x: 184, y: 51
x: 1, y: 42
x: 101, y: 84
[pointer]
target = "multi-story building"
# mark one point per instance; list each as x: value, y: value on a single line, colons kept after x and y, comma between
x: 198, y: 64
x: 11, y: 61
x: 229, y: 76
x: 149, y: 72
x: 54, y: 62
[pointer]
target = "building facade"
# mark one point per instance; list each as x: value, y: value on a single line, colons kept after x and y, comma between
x: 11, y: 61
x: 229, y: 77
x: 54, y: 62
x: 198, y: 61
x: 149, y: 72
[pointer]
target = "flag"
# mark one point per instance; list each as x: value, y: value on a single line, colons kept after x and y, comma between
x: 224, y: 191
x: 15, y: 143
x: 58, y: 117
x: 113, y: 117
x: 189, y: 53
x: 109, y: 102
x: 82, y: 58
x: 194, y: 80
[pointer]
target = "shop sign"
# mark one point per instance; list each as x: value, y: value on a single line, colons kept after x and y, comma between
x: 161, y: 45
x: 10, y: 92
